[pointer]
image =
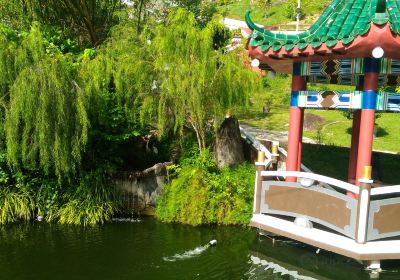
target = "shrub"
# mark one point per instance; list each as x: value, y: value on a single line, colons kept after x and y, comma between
x: 202, y: 194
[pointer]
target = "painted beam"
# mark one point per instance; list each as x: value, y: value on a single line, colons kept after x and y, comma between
x: 349, y: 71
x: 347, y: 67
x: 347, y: 100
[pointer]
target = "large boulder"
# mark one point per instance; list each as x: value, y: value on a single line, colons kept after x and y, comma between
x: 228, y: 146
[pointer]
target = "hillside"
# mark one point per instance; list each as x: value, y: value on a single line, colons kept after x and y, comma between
x: 277, y: 13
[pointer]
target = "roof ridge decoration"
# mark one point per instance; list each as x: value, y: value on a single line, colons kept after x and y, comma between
x: 342, y: 21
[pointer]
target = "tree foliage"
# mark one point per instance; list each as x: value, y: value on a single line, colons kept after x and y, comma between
x: 68, y: 114
x: 197, y: 84
x: 122, y: 69
x: 111, y: 82
x: 87, y: 20
x: 46, y: 124
x: 203, y: 10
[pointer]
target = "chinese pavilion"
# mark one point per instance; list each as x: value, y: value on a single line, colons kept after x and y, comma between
x: 354, y: 42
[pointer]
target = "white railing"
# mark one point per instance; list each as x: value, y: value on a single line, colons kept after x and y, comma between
x: 255, y: 143
x: 320, y: 178
x: 385, y: 190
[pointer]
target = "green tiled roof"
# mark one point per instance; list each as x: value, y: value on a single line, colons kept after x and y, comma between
x: 342, y: 20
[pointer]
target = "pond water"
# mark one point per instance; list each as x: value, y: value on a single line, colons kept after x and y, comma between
x: 152, y: 250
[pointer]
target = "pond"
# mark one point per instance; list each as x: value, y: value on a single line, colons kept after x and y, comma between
x: 148, y: 249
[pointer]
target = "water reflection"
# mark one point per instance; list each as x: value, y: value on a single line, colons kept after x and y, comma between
x: 281, y: 258
x: 263, y: 266
x: 152, y: 250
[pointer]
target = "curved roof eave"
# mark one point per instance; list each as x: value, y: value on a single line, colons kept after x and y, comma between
x: 342, y: 21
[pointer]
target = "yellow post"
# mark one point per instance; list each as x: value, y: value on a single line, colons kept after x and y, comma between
x: 260, y: 166
x: 367, y: 172
x: 261, y: 157
x: 275, y: 155
x: 275, y: 148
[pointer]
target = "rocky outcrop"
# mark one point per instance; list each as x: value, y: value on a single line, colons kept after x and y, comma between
x: 228, y: 148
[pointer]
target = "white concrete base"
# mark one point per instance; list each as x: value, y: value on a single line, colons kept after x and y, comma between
x: 373, y: 265
x: 370, y: 251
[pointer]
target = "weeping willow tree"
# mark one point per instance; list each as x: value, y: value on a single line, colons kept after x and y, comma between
x: 46, y: 123
x: 120, y: 72
x: 197, y: 82
x: 7, y: 50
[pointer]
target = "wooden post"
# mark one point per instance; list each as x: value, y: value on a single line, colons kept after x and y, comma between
x: 363, y: 206
x: 295, y: 123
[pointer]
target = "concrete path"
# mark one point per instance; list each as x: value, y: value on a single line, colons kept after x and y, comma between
x: 281, y: 136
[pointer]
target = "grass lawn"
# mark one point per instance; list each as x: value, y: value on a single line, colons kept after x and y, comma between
x: 336, y: 130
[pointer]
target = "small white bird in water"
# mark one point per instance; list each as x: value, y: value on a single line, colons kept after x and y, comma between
x: 213, y: 242
x: 40, y: 218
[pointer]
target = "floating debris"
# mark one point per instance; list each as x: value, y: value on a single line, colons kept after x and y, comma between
x: 129, y: 220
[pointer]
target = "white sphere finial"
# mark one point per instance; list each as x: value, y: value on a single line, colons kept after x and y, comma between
x: 255, y: 63
x: 378, y: 52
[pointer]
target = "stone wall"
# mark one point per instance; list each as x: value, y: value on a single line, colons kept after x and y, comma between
x: 141, y: 189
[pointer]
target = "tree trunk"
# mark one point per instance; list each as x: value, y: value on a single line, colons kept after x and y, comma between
x: 228, y: 147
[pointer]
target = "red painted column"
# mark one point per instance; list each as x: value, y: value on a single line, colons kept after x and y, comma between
x: 365, y: 142
x: 295, y: 124
x: 367, y: 116
x: 355, y: 133
x: 300, y: 152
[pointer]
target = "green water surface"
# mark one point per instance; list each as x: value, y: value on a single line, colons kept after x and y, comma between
x: 152, y: 250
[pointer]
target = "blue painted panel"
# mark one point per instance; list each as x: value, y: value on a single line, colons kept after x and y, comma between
x: 294, y: 99
x: 371, y: 65
x: 344, y: 98
x: 369, y: 99
x: 296, y: 68
x: 312, y: 98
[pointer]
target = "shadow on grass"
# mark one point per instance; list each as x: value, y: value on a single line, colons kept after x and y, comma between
x: 379, y: 131
x: 333, y: 161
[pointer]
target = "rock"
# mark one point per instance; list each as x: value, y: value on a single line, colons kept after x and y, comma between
x: 313, y: 122
x: 228, y: 146
x: 141, y: 189
x: 267, y: 107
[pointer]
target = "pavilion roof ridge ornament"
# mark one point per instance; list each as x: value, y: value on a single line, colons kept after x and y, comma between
x: 341, y: 22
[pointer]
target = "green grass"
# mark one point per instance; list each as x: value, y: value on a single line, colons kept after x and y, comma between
x: 336, y: 130
x: 333, y: 161
x: 275, y: 15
